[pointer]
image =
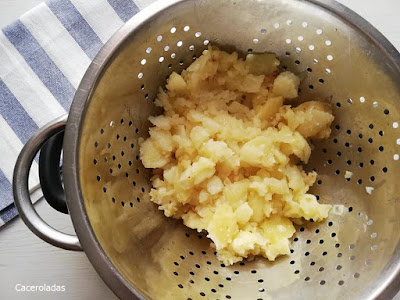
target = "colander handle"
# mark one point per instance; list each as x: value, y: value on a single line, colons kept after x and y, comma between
x: 49, y: 173
x: 21, y: 190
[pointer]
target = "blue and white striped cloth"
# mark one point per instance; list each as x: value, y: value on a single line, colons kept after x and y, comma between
x: 43, y: 56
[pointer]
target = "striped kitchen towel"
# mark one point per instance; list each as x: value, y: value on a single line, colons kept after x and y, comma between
x: 43, y: 56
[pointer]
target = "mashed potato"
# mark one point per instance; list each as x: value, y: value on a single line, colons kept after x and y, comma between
x: 226, y: 153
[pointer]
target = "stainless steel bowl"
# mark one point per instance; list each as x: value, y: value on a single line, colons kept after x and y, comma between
x: 140, y: 253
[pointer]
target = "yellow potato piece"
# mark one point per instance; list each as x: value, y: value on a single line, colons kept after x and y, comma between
x: 286, y: 85
x: 262, y: 64
x: 224, y: 153
x: 315, y: 119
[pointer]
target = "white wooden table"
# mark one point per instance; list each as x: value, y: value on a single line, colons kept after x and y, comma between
x: 25, y: 259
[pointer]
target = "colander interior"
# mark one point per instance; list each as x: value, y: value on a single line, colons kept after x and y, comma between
x: 343, y: 257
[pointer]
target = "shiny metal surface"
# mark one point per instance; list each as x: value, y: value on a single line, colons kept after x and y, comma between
x: 21, y: 192
x: 341, y: 58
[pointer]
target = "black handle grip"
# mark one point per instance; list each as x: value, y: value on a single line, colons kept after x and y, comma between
x: 49, y: 173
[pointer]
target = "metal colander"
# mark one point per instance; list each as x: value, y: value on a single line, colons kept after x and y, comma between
x: 342, y: 59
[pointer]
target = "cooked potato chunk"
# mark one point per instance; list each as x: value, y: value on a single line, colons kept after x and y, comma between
x: 315, y: 119
x: 176, y: 83
x: 262, y: 64
x: 286, y: 85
